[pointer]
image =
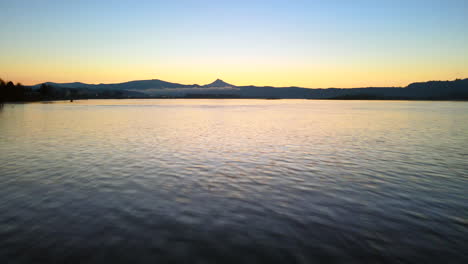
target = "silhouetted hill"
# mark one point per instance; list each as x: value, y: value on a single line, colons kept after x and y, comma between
x: 67, y: 85
x: 132, y: 85
x: 219, y: 83
x: 433, y: 90
x: 144, y: 85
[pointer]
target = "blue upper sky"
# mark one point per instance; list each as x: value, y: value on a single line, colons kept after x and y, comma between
x: 307, y: 43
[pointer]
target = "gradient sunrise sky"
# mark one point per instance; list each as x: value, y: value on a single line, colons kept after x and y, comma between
x: 326, y: 43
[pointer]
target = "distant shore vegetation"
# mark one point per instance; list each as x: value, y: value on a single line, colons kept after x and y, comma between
x: 157, y: 89
x: 10, y: 92
x: 13, y: 92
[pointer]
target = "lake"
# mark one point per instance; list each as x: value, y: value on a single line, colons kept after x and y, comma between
x: 234, y: 181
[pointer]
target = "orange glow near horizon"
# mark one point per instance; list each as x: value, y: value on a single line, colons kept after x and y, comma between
x: 301, y: 77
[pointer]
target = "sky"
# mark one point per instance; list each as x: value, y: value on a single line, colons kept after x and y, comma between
x: 315, y: 43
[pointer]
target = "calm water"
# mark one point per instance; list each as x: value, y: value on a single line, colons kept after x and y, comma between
x: 234, y: 181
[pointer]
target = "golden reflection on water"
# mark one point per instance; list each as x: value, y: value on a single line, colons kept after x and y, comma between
x: 224, y: 131
x: 239, y: 126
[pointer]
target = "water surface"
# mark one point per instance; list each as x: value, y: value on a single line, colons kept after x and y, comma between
x: 234, y: 181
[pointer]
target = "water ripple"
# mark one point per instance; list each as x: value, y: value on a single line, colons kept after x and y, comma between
x: 233, y: 181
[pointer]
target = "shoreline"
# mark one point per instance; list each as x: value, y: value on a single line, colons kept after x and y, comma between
x: 242, y: 98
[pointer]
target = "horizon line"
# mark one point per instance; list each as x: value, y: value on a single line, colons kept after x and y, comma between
x: 330, y: 87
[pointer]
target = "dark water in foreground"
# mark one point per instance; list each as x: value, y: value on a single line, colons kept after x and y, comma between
x: 234, y: 181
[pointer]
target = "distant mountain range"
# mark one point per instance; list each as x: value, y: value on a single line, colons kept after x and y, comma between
x: 433, y: 90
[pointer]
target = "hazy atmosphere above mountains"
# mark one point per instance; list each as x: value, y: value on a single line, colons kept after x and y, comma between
x: 279, y: 43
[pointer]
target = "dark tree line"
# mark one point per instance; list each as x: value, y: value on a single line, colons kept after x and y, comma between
x: 11, y: 92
